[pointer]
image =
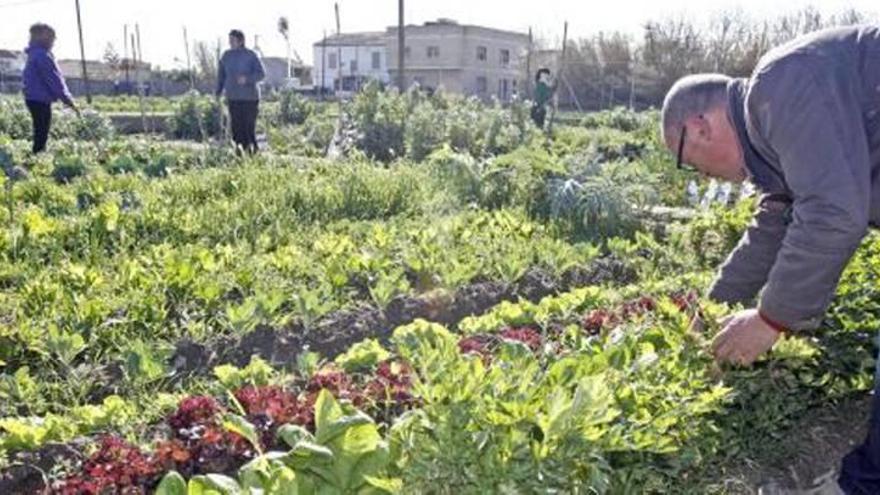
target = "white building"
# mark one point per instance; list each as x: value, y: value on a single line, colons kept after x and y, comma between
x: 11, y: 67
x: 345, y: 62
x: 12, y: 62
x: 464, y: 59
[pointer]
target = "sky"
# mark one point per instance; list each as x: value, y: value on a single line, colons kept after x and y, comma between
x: 162, y: 21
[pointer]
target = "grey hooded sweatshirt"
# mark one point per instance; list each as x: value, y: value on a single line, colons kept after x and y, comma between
x: 234, y: 64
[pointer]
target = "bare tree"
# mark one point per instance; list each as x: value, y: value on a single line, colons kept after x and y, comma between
x: 605, y: 69
x: 206, y: 60
x: 111, y: 57
x: 672, y: 49
x: 615, y: 57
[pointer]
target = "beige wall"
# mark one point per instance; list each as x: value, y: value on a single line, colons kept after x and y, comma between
x: 449, y: 43
x: 449, y: 79
x: 457, y: 67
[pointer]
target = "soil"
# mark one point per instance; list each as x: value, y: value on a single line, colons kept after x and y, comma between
x: 107, y: 379
x: 29, y: 471
x: 535, y: 284
x: 190, y: 356
x: 811, y: 448
x: 336, y: 332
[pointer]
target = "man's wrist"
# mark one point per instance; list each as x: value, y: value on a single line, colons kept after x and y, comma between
x: 775, y: 325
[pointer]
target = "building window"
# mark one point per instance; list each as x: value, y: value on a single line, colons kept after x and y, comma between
x: 349, y: 83
x: 504, y: 89
x: 505, y: 58
x: 353, y: 66
x: 433, y: 51
x: 377, y: 60
x: 482, y: 53
x: 331, y: 61
x: 482, y: 85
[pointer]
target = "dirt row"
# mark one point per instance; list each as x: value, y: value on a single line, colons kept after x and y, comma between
x: 337, y: 331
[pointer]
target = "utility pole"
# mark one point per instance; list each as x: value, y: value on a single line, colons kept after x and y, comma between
x: 529, y: 67
x: 126, y: 59
x: 137, y: 30
x: 559, y: 76
x: 82, y: 54
x: 284, y: 29
x: 140, y: 58
x: 135, y: 55
x: 192, y: 78
x: 632, y: 90
x: 323, y: 63
x: 289, y: 61
x: 338, y: 49
x: 401, y: 47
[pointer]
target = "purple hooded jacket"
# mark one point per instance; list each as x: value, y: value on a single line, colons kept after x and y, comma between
x: 42, y: 77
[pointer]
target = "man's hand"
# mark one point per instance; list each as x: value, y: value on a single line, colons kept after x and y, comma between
x: 745, y: 337
x: 242, y: 80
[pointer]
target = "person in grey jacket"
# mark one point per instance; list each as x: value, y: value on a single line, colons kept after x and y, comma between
x: 238, y: 73
x: 805, y: 129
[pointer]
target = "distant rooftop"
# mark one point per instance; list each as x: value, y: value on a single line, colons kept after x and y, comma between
x: 9, y: 53
x: 377, y: 38
x: 354, y: 39
x: 443, y: 21
x: 452, y: 23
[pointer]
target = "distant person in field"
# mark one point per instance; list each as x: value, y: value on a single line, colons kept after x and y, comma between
x: 805, y: 129
x: 239, y: 72
x: 43, y: 83
x: 544, y: 89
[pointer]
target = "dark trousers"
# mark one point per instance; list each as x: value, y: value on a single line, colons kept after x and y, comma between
x: 860, y: 472
x: 243, y: 121
x: 41, y: 115
x: 539, y: 114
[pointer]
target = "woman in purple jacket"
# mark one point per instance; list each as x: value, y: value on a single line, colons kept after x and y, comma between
x: 43, y: 83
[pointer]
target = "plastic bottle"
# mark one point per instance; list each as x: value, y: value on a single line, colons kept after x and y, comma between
x: 724, y: 193
x: 711, y: 194
x: 693, y: 193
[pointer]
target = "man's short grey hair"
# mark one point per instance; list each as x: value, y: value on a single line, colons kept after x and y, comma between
x: 689, y: 96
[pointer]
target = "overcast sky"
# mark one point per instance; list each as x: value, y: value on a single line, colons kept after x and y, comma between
x: 162, y: 21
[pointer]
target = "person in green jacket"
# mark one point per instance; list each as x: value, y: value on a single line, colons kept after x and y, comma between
x: 544, y: 89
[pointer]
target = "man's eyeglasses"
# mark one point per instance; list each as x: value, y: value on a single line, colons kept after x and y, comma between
x: 680, y: 163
